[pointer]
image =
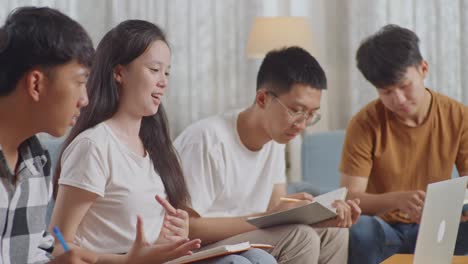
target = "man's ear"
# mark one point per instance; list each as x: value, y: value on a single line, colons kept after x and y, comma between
x: 424, y: 68
x: 261, y: 98
x: 35, y: 81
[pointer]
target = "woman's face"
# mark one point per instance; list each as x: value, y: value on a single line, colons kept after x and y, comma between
x: 143, y: 82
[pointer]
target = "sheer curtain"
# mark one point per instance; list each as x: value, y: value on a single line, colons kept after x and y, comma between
x: 210, y: 71
x: 441, y: 26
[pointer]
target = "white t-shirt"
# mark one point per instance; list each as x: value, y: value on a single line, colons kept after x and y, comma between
x: 225, y: 178
x: 126, y: 185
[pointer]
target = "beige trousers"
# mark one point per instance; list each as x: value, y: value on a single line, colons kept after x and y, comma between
x: 298, y: 244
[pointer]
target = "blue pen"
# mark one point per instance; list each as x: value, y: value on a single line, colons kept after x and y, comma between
x: 60, y: 238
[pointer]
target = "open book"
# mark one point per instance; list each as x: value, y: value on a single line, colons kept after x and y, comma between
x: 217, y: 252
x: 319, y: 210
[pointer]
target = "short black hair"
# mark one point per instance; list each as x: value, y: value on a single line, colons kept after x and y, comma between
x: 384, y: 57
x: 39, y: 36
x: 283, y: 68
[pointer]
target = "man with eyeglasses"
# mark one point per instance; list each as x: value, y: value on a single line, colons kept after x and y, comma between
x: 234, y: 166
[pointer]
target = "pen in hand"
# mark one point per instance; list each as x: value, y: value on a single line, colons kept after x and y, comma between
x: 285, y: 199
x: 60, y: 238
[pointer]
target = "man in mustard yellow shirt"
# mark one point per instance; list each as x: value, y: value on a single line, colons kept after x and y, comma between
x: 396, y: 145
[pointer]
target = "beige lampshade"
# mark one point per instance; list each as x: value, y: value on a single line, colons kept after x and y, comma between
x: 270, y: 33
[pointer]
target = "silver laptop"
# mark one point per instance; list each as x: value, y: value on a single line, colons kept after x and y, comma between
x: 440, y: 221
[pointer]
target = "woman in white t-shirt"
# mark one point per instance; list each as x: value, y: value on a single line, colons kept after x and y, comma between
x: 119, y: 157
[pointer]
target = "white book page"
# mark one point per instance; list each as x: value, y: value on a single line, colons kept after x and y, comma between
x: 212, y: 252
x: 466, y: 197
x: 327, y: 199
x: 237, y: 247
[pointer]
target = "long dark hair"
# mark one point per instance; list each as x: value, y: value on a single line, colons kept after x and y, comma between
x: 121, y: 46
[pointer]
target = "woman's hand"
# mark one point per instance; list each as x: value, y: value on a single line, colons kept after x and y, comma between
x: 176, y: 223
x: 144, y: 252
